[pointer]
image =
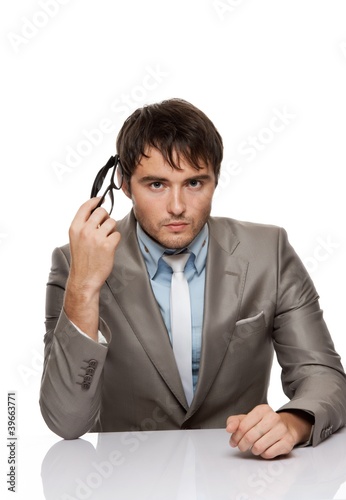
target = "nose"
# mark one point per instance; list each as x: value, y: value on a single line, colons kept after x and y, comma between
x: 176, y: 203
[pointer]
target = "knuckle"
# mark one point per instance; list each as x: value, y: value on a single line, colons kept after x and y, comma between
x: 263, y: 408
x: 101, y: 211
x: 247, y: 441
x: 111, y: 223
x: 84, y: 233
x: 268, y: 454
x: 243, y: 445
x: 275, y: 419
x: 257, y: 449
x: 73, y: 230
x: 251, y: 436
x: 242, y: 428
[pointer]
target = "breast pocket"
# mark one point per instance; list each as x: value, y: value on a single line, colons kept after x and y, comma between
x: 249, y: 326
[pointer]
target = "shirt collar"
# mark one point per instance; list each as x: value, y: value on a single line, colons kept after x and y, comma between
x: 152, y: 251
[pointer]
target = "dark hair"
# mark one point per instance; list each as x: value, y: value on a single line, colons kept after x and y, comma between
x: 177, y: 129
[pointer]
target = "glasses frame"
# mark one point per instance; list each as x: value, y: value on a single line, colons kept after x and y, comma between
x: 113, y: 162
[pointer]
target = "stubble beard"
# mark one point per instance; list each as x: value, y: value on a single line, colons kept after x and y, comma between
x: 177, y: 241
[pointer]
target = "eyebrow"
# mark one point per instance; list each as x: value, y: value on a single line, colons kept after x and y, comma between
x: 154, y: 178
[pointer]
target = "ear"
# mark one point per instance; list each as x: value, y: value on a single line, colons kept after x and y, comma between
x: 126, y: 189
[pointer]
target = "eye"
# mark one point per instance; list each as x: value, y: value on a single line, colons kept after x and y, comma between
x: 195, y: 183
x: 156, y: 185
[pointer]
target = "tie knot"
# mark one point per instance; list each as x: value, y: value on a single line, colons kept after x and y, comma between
x: 177, y: 261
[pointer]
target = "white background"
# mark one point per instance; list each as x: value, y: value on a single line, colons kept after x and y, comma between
x: 89, y: 64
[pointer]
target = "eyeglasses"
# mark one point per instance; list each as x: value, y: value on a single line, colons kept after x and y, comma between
x: 116, y: 181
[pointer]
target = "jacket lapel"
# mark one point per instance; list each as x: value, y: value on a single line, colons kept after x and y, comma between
x: 225, y: 279
x: 130, y: 286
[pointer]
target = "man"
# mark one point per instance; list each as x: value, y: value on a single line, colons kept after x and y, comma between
x: 109, y: 362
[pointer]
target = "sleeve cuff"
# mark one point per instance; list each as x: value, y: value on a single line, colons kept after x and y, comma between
x: 309, y: 441
x: 101, y: 339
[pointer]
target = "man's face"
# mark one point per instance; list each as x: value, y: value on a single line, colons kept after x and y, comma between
x: 171, y: 205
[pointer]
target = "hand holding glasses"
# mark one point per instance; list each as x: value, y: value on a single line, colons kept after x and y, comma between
x: 116, y: 181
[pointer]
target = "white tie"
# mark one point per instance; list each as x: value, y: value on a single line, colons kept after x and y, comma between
x: 181, y: 321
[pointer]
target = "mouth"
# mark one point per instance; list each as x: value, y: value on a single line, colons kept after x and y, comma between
x: 176, y: 226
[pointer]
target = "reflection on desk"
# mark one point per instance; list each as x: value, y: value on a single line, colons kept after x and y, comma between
x: 189, y: 465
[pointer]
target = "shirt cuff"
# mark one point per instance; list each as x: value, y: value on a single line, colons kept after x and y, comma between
x: 101, y: 339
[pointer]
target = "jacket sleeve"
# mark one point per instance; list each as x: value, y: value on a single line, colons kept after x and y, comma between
x: 71, y: 382
x: 313, y: 377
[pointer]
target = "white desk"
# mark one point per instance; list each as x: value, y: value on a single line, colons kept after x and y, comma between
x: 189, y: 465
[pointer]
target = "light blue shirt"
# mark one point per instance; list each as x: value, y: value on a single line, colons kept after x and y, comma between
x: 160, y: 275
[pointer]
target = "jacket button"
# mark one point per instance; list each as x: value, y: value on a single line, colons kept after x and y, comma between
x: 85, y: 386
x: 93, y: 363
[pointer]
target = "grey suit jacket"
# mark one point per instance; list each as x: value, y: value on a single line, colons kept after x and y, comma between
x: 259, y: 298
